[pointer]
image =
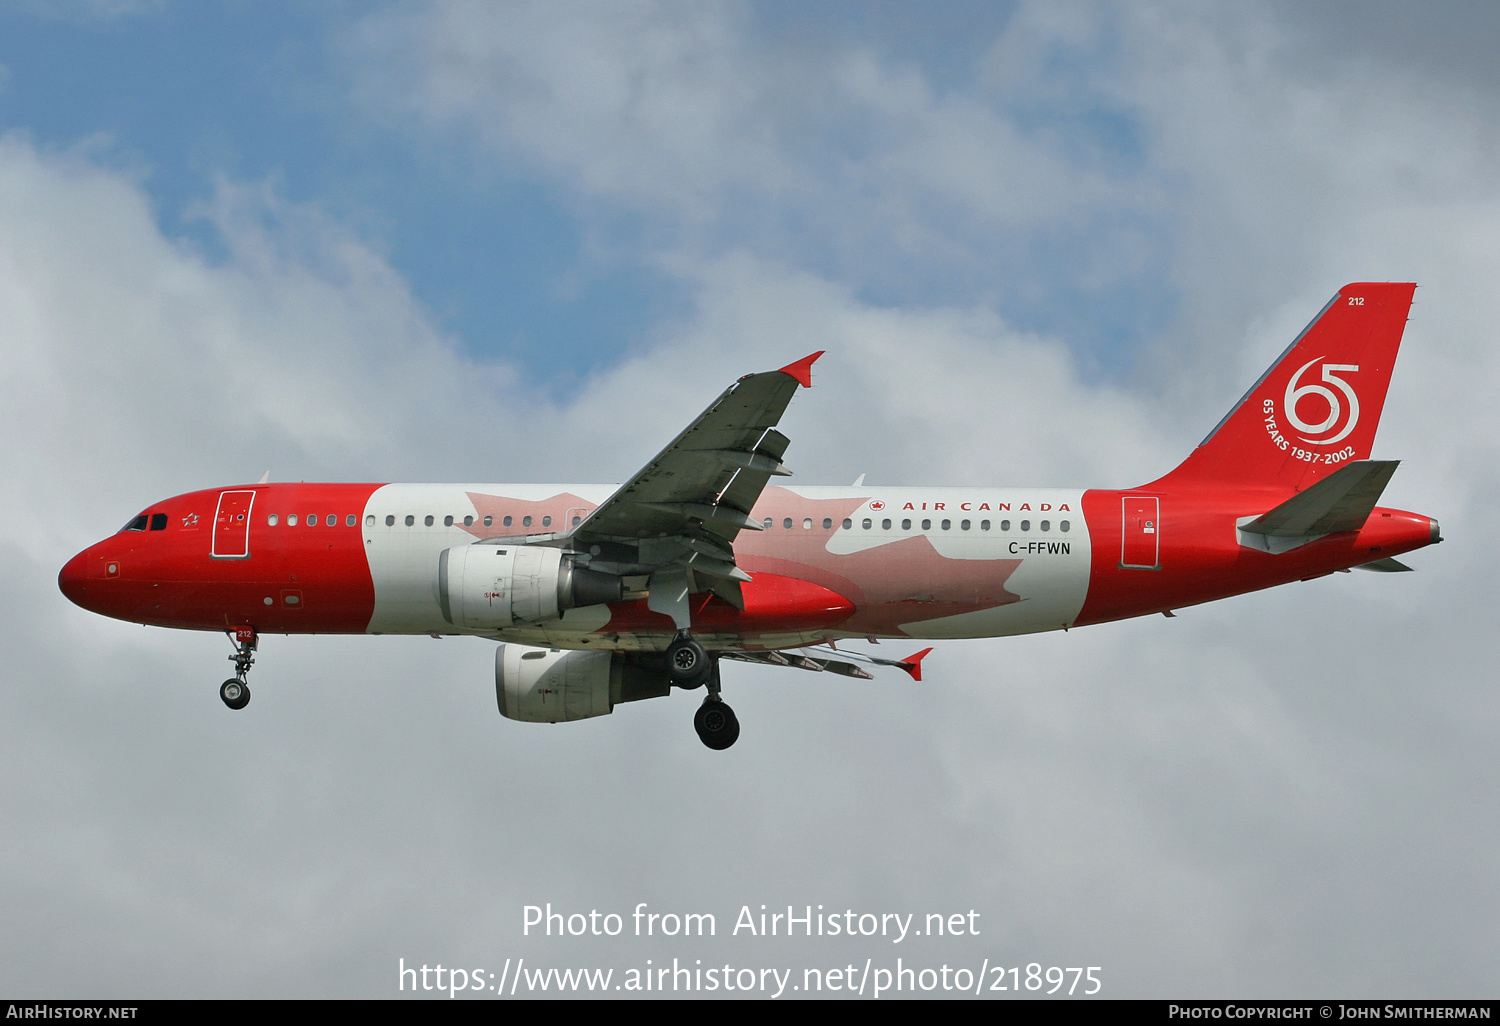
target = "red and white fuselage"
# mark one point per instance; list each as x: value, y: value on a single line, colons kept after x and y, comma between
x: 829, y: 563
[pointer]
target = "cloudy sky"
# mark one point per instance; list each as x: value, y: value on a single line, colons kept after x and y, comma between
x: 1042, y: 243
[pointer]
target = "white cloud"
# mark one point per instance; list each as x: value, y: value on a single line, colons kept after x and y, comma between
x: 694, y: 121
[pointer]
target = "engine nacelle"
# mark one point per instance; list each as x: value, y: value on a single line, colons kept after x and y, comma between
x: 541, y: 685
x: 486, y: 587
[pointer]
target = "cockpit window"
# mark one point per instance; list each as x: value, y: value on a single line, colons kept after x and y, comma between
x: 158, y: 521
x: 138, y: 524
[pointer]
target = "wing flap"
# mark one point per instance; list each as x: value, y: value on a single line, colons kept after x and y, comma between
x: 801, y: 662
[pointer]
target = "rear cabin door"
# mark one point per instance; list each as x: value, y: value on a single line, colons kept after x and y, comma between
x: 232, y: 525
x: 1140, y: 545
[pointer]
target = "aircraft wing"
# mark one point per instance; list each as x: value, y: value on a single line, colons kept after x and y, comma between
x: 818, y: 659
x: 683, y: 510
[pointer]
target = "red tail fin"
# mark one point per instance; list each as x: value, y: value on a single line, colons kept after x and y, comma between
x: 1318, y: 406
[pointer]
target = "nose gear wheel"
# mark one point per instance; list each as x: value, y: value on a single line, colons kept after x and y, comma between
x: 234, y: 691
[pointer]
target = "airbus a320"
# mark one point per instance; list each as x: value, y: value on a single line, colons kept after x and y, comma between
x: 603, y: 594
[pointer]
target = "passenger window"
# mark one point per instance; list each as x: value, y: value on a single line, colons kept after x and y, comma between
x: 865, y: 523
x: 390, y: 521
x: 927, y: 525
x: 787, y: 523
x: 1064, y: 526
x: 351, y: 520
x: 827, y: 524
x: 410, y: 520
x: 964, y: 525
x: 447, y: 521
x: 577, y: 520
x: 370, y: 520
x: 272, y: 520
x: 1046, y: 525
x: 906, y: 525
x: 291, y: 521
x: 489, y: 521
x: 1005, y: 525
x: 468, y: 521
x: 525, y: 521
x: 947, y: 525
x: 1026, y: 525
x: 427, y: 520
x: 984, y: 525
x: 848, y: 523
x: 312, y: 520
x: 158, y: 521
x: 807, y: 523
x: 885, y: 525
x: 546, y: 521
x: 767, y: 523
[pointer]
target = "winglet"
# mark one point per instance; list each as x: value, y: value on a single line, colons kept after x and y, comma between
x: 802, y: 369
x: 912, y: 664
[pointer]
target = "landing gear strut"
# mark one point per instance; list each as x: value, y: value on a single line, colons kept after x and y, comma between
x: 234, y: 691
x: 715, y: 722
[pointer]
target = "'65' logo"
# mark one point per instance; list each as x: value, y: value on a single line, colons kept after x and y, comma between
x: 1338, y: 419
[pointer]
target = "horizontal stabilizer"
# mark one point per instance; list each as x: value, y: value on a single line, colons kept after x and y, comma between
x: 1342, y: 501
x: 1387, y: 565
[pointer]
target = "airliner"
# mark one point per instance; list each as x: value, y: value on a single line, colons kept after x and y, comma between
x: 604, y: 594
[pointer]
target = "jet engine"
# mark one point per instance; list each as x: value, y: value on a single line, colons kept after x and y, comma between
x: 487, y: 587
x: 541, y: 685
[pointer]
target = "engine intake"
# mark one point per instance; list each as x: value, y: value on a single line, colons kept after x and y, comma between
x: 541, y: 685
x: 485, y: 587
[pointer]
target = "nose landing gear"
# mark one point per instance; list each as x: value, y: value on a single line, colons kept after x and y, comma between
x: 234, y: 691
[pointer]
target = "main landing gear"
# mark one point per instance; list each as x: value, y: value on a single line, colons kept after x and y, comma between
x: 234, y: 691
x: 716, y: 724
x: 688, y: 664
x: 691, y: 667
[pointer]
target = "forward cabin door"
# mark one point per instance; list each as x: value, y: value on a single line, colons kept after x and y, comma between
x: 232, y: 525
x: 1140, y: 544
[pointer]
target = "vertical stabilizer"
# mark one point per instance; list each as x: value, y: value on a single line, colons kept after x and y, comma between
x: 1317, y: 408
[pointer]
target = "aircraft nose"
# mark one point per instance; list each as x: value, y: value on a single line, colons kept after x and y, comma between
x: 72, y: 580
